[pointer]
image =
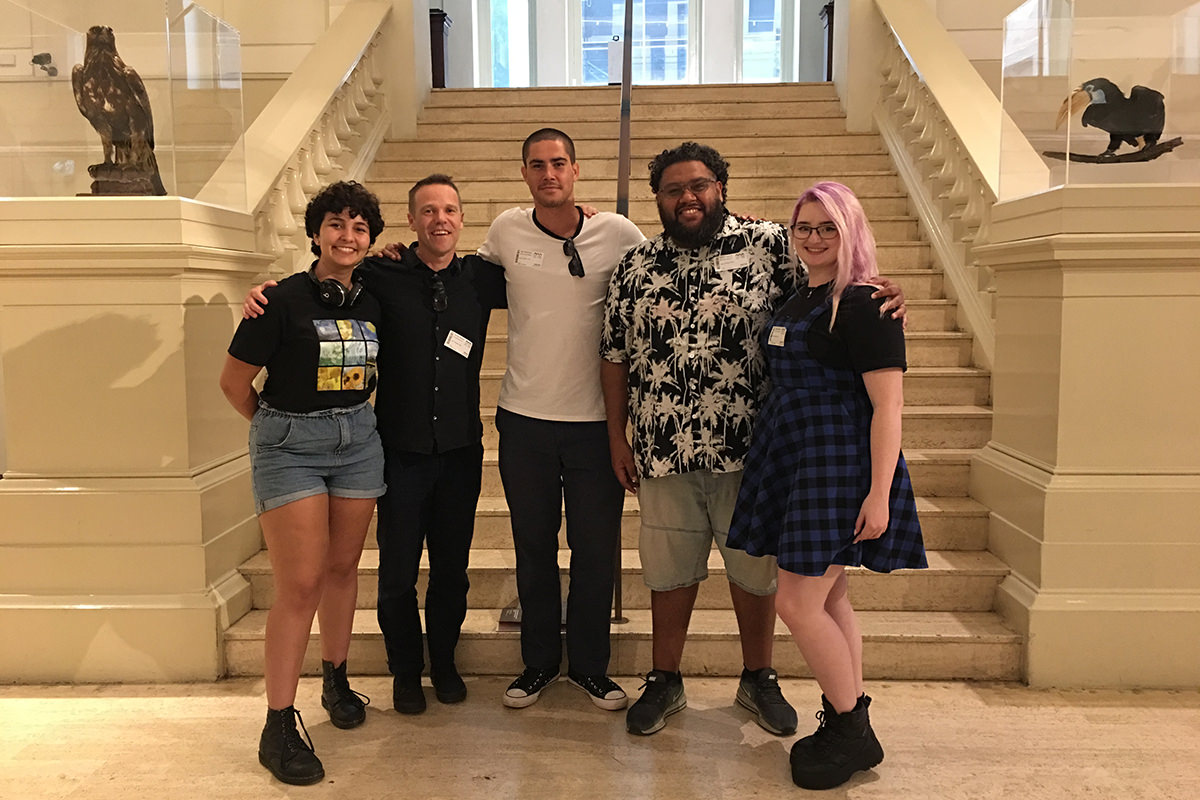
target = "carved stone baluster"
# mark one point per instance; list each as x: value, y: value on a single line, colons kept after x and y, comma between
x: 309, y: 181
x: 320, y: 158
x: 342, y: 122
x: 282, y: 219
x: 297, y: 201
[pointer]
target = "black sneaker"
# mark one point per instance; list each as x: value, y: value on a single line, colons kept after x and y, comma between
x: 448, y: 685
x: 662, y: 696
x: 289, y: 757
x: 407, y: 695
x: 524, y: 690
x: 759, y: 692
x: 605, y: 693
x: 347, y: 708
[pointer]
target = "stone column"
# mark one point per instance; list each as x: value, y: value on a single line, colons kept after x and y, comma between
x: 1093, y: 472
x: 125, y: 497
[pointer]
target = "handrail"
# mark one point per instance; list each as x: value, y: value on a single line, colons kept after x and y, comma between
x: 945, y: 128
x: 325, y: 123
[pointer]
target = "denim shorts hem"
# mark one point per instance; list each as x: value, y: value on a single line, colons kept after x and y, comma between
x: 357, y: 494
x: 271, y: 503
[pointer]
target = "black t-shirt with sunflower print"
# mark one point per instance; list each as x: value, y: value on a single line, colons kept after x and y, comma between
x: 317, y: 356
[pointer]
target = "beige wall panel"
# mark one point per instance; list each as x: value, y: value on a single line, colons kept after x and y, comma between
x: 105, y: 377
x: 1113, y: 349
x: 1120, y: 509
x: 105, y: 570
x: 172, y: 641
x: 1017, y: 548
x: 956, y: 14
x: 226, y: 499
x: 1132, y: 566
x: 1025, y: 389
x: 215, y: 430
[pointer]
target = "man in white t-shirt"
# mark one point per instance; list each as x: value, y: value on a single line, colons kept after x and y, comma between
x: 553, y: 438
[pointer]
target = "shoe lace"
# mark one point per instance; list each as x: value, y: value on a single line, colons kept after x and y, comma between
x: 654, y: 690
x: 341, y: 687
x: 292, y: 741
x: 769, y: 691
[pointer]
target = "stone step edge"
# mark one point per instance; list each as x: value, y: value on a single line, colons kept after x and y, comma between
x: 961, y: 563
x: 934, y: 627
x: 494, y: 506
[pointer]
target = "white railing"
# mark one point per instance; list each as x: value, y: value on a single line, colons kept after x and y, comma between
x: 324, y: 124
x: 944, y: 128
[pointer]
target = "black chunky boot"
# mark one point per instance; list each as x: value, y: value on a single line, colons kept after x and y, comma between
x: 281, y: 750
x: 843, y: 744
x: 347, y: 708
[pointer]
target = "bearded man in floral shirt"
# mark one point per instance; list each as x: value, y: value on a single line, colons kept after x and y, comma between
x: 680, y: 350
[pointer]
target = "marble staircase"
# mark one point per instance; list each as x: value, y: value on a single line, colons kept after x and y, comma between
x: 933, y: 624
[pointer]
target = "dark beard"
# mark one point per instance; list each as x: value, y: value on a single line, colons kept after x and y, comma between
x: 690, y: 239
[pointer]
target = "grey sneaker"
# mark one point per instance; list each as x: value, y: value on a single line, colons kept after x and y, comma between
x: 759, y: 692
x: 524, y: 690
x: 604, y: 691
x: 662, y: 696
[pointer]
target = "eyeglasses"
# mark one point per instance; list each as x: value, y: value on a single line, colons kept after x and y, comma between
x: 440, y: 300
x: 575, y: 265
x: 826, y: 230
x: 696, y: 187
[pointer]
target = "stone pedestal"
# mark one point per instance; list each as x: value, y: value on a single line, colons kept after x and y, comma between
x: 1093, y: 472
x: 125, y: 495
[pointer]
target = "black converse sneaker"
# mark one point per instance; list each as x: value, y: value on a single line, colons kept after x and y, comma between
x: 528, y: 685
x: 605, y: 693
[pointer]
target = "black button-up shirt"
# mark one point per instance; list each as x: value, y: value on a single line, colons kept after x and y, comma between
x: 427, y: 399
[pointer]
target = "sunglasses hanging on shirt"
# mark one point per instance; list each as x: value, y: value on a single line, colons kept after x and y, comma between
x: 440, y: 299
x: 575, y: 265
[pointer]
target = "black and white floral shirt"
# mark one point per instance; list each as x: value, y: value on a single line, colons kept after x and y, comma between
x: 688, y: 322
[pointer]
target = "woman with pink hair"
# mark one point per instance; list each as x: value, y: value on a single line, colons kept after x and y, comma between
x: 825, y: 486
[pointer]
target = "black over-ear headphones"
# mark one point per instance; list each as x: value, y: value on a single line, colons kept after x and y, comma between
x: 332, y: 293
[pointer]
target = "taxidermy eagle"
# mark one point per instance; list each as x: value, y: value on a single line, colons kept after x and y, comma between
x: 1125, y: 119
x: 113, y: 98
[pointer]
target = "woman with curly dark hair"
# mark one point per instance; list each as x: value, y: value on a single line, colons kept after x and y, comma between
x: 316, y: 461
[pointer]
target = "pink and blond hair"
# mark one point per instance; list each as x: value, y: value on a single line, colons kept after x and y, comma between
x: 856, y: 262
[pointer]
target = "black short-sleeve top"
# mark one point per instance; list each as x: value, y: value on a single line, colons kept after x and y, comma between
x: 317, y: 356
x: 860, y: 340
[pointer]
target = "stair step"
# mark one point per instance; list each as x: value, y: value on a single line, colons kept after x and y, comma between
x: 550, y: 96
x: 897, y: 645
x: 570, y: 115
x: 403, y: 167
x: 434, y: 150
x: 954, y: 581
x: 698, y: 129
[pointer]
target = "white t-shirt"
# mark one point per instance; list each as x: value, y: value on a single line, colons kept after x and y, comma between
x: 554, y: 318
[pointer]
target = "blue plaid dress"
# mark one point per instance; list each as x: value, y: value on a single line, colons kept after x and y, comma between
x: 809, y: 469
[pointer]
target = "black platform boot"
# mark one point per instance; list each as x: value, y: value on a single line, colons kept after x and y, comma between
x: 347, y: 708
x: 289, y: 757
x: 843, y: 744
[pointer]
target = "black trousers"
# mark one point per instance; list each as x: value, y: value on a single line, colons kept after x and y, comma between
x: 430, y: 501
x: 548, y: 466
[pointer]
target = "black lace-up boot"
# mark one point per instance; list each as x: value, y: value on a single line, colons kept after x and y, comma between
x: 281, y: 749
x: 347, y: 708
x: 843, y: 744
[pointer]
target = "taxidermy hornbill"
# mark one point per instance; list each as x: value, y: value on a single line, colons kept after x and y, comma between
x: 1124, y: 119
x: 113, y: 98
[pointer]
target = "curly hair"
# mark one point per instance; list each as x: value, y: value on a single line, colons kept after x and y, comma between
x: 336, y: 197
x: 690, y: 151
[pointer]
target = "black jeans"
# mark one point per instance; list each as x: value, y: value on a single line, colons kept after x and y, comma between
x: 430, y: 500
x: 546, y: 466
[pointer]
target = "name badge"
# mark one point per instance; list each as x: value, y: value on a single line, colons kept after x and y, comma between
x: 777, y: 336
x: 459, y: 344
x: 530, y: 258
x: 732, y: 261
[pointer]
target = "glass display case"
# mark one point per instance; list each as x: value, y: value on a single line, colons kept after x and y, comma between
x: 189, y: 63
x: 1096, y: 93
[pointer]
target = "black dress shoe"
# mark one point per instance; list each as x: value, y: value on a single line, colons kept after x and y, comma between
x: 407, y: 695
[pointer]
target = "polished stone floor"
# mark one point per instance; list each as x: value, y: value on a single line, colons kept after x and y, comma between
x: 942, y: 740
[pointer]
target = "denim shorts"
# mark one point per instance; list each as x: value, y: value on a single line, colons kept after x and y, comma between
x: 293, y: 456
x: 682, y: 515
